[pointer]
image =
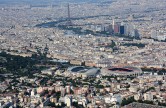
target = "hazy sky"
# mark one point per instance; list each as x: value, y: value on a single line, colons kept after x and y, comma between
x: 44, y: 1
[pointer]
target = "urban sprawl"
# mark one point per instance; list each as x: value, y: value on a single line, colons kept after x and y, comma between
x: 85, y: 55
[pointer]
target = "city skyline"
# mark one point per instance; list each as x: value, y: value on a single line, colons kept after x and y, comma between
x: 82, y: 54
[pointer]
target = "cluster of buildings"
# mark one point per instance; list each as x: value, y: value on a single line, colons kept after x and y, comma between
x: 117, y: 28
x: 79, y: 85
x: 159, y: 34
x: 84, y: 72
x: 20, y: 36
x: 70, y: 90
x: 88, y: 50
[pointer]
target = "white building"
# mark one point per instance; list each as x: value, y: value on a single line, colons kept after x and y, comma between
x: 113, y: 99
x: 68, y: 101
x: 33, y: 92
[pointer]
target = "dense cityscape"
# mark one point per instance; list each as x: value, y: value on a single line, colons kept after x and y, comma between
x: 83, y: 54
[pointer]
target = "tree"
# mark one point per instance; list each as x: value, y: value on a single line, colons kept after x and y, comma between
x: 162, y: 104
x: 99, y: 86
x: 160, y: 83
x: 148, y: 102
x: 57, y: 95
x: 63, y: 105
x: 124, y: 102
x: 75, y: 104
x: 113, y: 44
x: 151, y: 88
x: 52, y: 104
x: 128, y: 101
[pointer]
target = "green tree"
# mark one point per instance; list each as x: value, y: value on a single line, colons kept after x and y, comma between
x: 128, y: 101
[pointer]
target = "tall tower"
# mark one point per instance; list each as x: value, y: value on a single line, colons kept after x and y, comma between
x: 50, y: 4
x: 68, y: 9
x: 113, y: 23
x: 69, y: 18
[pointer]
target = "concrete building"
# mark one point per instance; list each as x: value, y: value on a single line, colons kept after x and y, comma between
x: 68, y: 101
x: 148, y: 96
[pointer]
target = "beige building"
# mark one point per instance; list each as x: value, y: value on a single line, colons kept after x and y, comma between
x: 68, y: 101
x: 148, y: 96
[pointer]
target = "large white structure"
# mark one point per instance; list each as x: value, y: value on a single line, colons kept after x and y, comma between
x: 113, y: 99
x: 121, y: 71
x: 82, y: 71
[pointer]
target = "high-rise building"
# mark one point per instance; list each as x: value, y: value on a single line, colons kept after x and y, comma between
x: 122, y: 30
x: 113, y: 23
x: 116, y: 29
x: 125, y: 28
x: 130, y: 30
x: 110, y: 29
